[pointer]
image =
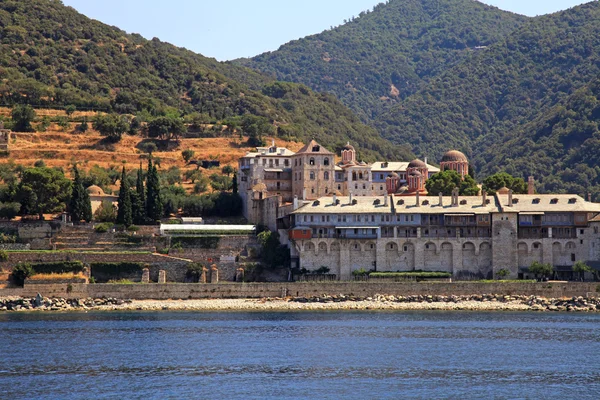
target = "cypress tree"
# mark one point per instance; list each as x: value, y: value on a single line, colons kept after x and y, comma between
x: 80, y: 207
x: 124, y: 215
x: 154, y: 207
x: 138, y: 199
x: 235, y: 185
x: 86, y: 206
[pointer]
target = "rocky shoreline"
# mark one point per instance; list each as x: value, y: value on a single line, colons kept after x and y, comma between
x: 486, y: 302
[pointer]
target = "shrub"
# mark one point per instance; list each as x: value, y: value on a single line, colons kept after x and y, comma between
x: 322, y: 271
x: 20, y: 273
x: 503, y: 273
x: 187, y: 155
x: 107, y: 212
x: 117, y: 268
x: 360, y: 272
x: 103, y: 227
x: 3, y: 256
x: 194, y: 272
x: 412, y: 274
x: 59, y: 267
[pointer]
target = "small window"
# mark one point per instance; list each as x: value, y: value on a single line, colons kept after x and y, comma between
x: 326, y: 161
x: 536, y: 245
x: 405, y: 248
x: 582, y: 231
x: 311, y: 161
x: 573, y: 257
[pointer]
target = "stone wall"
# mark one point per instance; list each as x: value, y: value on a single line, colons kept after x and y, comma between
x: 259, y: 290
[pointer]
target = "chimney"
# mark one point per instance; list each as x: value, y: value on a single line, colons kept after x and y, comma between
x: 350, y: 197
x: 441, y: 199
x: 295, y: 203
x: 590, y: 197
x: 273, y: 143
x: 510, y: 199
x: 455, y: 197
x: 385, y: 200
x: 334, y: 199
x: 531, y: 185
x: 282, y: 151
x: 484, y: 198
x: 425, y: 160
x: 304, y: 194
x: 392, y: 204
x: 418, y: 197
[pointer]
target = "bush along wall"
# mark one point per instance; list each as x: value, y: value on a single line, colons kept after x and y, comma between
x: 104, y: 272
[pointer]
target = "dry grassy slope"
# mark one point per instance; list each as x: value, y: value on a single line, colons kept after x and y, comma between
x: 62, y: 149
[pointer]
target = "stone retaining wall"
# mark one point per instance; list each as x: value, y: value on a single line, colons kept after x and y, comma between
x: 259, y: 290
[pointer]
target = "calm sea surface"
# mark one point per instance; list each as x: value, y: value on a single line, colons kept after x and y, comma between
x: 334, y: 355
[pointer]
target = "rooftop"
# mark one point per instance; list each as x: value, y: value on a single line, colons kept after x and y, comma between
x: 402, y: 205
x: 395, y: 166
x: 549, y: 203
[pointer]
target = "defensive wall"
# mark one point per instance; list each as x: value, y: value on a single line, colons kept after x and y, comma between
x: 260, y: 290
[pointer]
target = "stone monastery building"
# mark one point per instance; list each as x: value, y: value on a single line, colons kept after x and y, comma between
x: 351, y: 215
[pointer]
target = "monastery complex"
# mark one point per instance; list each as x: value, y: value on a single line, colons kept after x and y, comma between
x: 351, y: 215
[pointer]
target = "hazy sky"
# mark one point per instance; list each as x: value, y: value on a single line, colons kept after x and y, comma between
x: 228, y: 29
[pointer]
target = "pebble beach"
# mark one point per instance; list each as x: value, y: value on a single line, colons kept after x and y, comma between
x: 317, y: 303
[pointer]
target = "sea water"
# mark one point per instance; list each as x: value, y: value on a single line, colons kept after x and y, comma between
x: 300, y: 355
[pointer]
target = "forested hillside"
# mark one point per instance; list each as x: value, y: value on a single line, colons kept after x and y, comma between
x: 50, y: 55
x: 478, y: 105
x: 561, y: 147
x: 383, y: 56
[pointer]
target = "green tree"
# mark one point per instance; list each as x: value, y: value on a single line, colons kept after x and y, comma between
x: 273, y: 254
x: 70, y: 109
x: 234, y: 188
x: 446, y: 181
x: 581, y: 268
x: 166, y: 128
x: 139, y: 208
x: 188, y: 154
x: 22, y: 116
x: 107, y: 212
x: 256, y: 127
x: 228, y: 170
x: 124, y: 213
x: 83, y: 127
x: 201, y: 185
x: 154, y: 206
x: 43, y: 190
x: 493, y: 183
x: 220, y: 182
x: 9, y: 210
x: 543, y: 270
x: 80, y: 206
x: 112, y: 126
x: 148, y: 147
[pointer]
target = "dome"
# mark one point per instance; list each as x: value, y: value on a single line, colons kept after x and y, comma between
x: 416, y: 173
x: 259, y: 187
x: 454, y: 156
x: 363, y: 164
x: 95, y: 190
x: 348, y: 146
x: 394, y: 175
x: 417, y: 164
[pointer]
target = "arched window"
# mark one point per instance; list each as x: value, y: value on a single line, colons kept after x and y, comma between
x: 326, y: 161
x: 326, y: 175
x: 312, y: 176
x: 354, y: 176
x: 360, y: 176
x: 312, y: 161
